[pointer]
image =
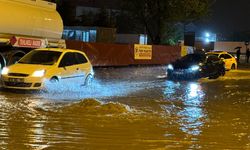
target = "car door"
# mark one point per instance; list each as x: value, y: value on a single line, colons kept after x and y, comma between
x: 83, y: 64
x: 68, y: 69
x: 228, y: 60
x: 223, y: 57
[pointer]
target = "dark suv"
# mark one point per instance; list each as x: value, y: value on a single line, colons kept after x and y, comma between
x: 194, y: 66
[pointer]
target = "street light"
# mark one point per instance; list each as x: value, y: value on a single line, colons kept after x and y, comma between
x: 207, y: 34
x: 207, y: 40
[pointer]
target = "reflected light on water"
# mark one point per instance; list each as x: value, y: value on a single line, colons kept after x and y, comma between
x: 192, y: 113
x: 14, y: 115
x: 37, y: 140
x: 193, y: 90
x: 190, y: 109
x: 4, y: 136
x: 171, y: 88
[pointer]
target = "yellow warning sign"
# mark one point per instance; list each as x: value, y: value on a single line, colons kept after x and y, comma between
x: 143, y: 51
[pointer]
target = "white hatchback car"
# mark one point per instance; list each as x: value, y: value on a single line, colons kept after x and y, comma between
x: 230, y: 61
x: 49, y: 64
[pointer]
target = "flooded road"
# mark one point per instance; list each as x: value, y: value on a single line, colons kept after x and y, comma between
x: 131, y: 108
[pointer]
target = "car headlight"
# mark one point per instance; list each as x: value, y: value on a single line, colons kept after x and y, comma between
x: 38, y: 73
x: 170, y: 67
x: 5, y: 71
x: 195, y: 68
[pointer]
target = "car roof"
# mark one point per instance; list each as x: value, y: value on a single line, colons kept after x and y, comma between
x: 59, y: 50
x: 217, y: 52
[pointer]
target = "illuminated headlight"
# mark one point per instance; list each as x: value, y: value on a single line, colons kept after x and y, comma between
x: 195, y: 68
x: 170, y: 67
x: 5, y: 71
x: 39, y: 73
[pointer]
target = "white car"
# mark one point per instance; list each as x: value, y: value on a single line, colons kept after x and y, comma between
x: 230, y: 61
x: 49, y: 64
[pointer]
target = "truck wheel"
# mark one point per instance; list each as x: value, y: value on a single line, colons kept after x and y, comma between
x: 15, y: 57
x: 13, y: 60
x: 2, y: 61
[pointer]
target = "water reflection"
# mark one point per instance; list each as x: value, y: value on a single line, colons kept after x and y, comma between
x: 21, y: 123
x: 190, y: 110
x: 192, y: 114
x: 135, y: 113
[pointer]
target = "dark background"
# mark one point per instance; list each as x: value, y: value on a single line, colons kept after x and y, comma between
x: 228, y: 16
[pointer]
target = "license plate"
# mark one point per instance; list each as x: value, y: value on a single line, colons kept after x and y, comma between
x: 16, y: 80
x: 179, y: 72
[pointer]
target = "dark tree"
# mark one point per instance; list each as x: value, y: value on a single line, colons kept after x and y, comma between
x: 156, y: 15
x: 102, y: 18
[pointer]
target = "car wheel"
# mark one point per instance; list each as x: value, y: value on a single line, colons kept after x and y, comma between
x: 222, y: 71
x: 233, y: 67
x: 88, y: 80
x: 54, y: 80
x: 213, y: 77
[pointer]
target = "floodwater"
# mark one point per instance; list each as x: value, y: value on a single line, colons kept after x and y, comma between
x: 130, y: 108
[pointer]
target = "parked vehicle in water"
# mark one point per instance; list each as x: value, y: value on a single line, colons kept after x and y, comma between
x: 230, y: 60
x: 195, y: 66
x: 27, y: 25
x: 48, y: 64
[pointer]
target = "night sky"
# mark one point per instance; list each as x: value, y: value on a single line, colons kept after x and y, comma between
x: 229, y: 16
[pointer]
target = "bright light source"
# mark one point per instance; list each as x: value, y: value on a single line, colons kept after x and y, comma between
x: 195, y: 68
x: 170, y: 67
x: 207, y: 34
x: 194, y: 88
x: 38, y: 73
x: 5, y: 71
x: 207, y: 40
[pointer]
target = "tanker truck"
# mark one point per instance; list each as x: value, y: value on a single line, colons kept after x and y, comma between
x: 26, y: 25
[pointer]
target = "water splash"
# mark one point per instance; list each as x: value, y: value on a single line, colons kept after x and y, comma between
x: 97, y: 89
x: 95, y: 107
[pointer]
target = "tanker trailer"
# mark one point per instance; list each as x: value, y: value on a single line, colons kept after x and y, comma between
x: 26, y: 25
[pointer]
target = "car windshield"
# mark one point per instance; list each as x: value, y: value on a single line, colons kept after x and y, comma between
x: 214, y: 54
x: 193, y: 58
x: 40, y: 57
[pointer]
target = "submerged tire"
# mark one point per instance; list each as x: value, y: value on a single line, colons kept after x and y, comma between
x: 54, y: 80
x: 214, y: 76
x: 88, y: 80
